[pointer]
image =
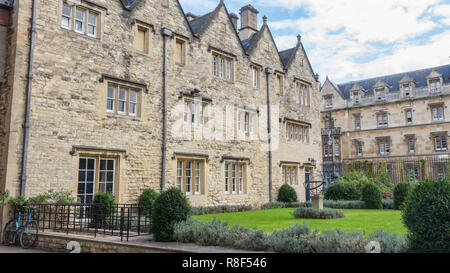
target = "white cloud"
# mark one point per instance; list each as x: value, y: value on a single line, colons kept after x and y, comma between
x: 348, y: 39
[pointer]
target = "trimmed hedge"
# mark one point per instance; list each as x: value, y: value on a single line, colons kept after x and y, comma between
x: 312, y: 213
x: 426, y: 214
x: 342, y: 191
x: 169, y: 208
x: 220, y: 209
x: 287, y: 194
x: 335, y: 204
x: 401, y: 191
x: 103, y: 206
x: 372, y: 197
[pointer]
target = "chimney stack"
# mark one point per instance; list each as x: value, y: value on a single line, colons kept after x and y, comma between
x: 249, y: 22
x: 234, y: 18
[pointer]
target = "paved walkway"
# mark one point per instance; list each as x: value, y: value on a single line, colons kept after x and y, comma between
x: 18, y: 249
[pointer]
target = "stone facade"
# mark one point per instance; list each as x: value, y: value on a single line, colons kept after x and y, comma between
x: 409, y: 117
x: 69, y: 117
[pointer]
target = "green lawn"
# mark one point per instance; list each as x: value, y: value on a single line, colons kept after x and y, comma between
x: 354, y: 220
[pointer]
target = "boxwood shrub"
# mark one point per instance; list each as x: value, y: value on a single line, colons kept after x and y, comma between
x: 426, y: 214
x: 146, y: 199
x: 401, y: 191
x: 169, y: 208
x: 312, y: 213
x: 342, y: 191
x: 371, y: 196
x: 287, y: 194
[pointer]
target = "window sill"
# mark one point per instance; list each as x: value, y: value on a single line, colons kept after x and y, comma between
x: 74, y: 32
x: 122, y: 116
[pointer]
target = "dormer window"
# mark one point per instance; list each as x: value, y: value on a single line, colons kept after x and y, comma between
x: 222, y: 66
x: 356, y: 97
x: 381, y: 95
x: 435, y: 85
x: 407, y: 90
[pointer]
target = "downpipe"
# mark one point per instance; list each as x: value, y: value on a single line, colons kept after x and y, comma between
x: 26, y: 125
x: 166, y: 33
x: 269, y: 71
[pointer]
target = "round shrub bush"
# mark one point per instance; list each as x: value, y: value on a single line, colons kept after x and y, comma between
x: 312, y: 213
x: 401, y: 191
x: 372, y: 197
x: 169, y: 208
x: 287, y: 194
x: 342, y: 191
x: 102, y: 207
x: 426, y: 214
x: 146, y: 199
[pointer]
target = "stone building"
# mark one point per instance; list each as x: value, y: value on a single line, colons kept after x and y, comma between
x: 126, y: 95
x: 400, y: 120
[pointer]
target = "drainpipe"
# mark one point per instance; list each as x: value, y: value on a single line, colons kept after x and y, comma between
x: 166, y: 33
x: 26, y: 125
x: 269, y: 71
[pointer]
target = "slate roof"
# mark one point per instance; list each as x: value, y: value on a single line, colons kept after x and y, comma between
x: 199, y: 22
x: 392, y: 81
x: 286, y: 55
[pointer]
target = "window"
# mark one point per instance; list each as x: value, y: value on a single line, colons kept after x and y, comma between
x: 66, y: 17
x: 83, y: 20
x: 302, y: 94
x: 222, y: 66
x: 122, y: 108
x: 382, y: 119
x: 195, y: 112
x: 357, y: 122
x: 92, y: 25
x: 180, y: 51
x: 440, y: 143
x: 407, y: 90
x: 435, y: 85
x: 327, y: 149
x: 289, y: 174
x: 235, y: 177
x: 89, y: 183
x: 384, y: 147
x: 359, y: 150
x: 255, y: 73
x: 246, y: 122
x: 409, y: 116
x: 328, y: 101
x: 122, y: 100
x: 280, y: 84
x: 297, y: 132
x: 411, y: 145
x: 437, y: 112
x: 356, y: 97
x: 133, y: 103
x: 336, y: 147
x: 142, y: 39
x: 79, y: 20
x: 381, y: 94
x: 190, y: 175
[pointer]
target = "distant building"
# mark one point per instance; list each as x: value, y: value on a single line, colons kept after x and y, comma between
x: 400, y: 120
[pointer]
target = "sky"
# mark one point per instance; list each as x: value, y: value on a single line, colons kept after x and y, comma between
x: 349, y: 40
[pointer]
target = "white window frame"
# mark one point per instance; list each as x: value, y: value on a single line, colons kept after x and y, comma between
x: 83, y: 27
x: 89, y: 13
x: 124, y: 100
x: 133, y: 103
x: 111, y: 98
x: 68, y: 17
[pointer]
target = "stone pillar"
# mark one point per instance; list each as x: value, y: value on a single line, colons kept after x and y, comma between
x: 317, y: 202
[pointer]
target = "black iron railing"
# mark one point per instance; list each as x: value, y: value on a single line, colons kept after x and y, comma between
x: 125, y: 221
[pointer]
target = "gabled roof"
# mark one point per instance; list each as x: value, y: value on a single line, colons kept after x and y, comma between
x: 288, y: 56
x: 392, y: 81
x: 333, y: 85
x: 256, y: 37
x: 200, y: 24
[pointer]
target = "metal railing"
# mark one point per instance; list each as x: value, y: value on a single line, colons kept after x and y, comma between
x: 124, y: 221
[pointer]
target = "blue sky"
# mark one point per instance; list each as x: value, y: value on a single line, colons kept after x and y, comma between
x: 355, y: 39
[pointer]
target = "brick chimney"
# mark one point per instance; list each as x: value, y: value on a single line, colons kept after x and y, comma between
x: 249, y: 21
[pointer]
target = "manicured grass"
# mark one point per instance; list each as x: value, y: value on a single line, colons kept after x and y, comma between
x: 355, y: 220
